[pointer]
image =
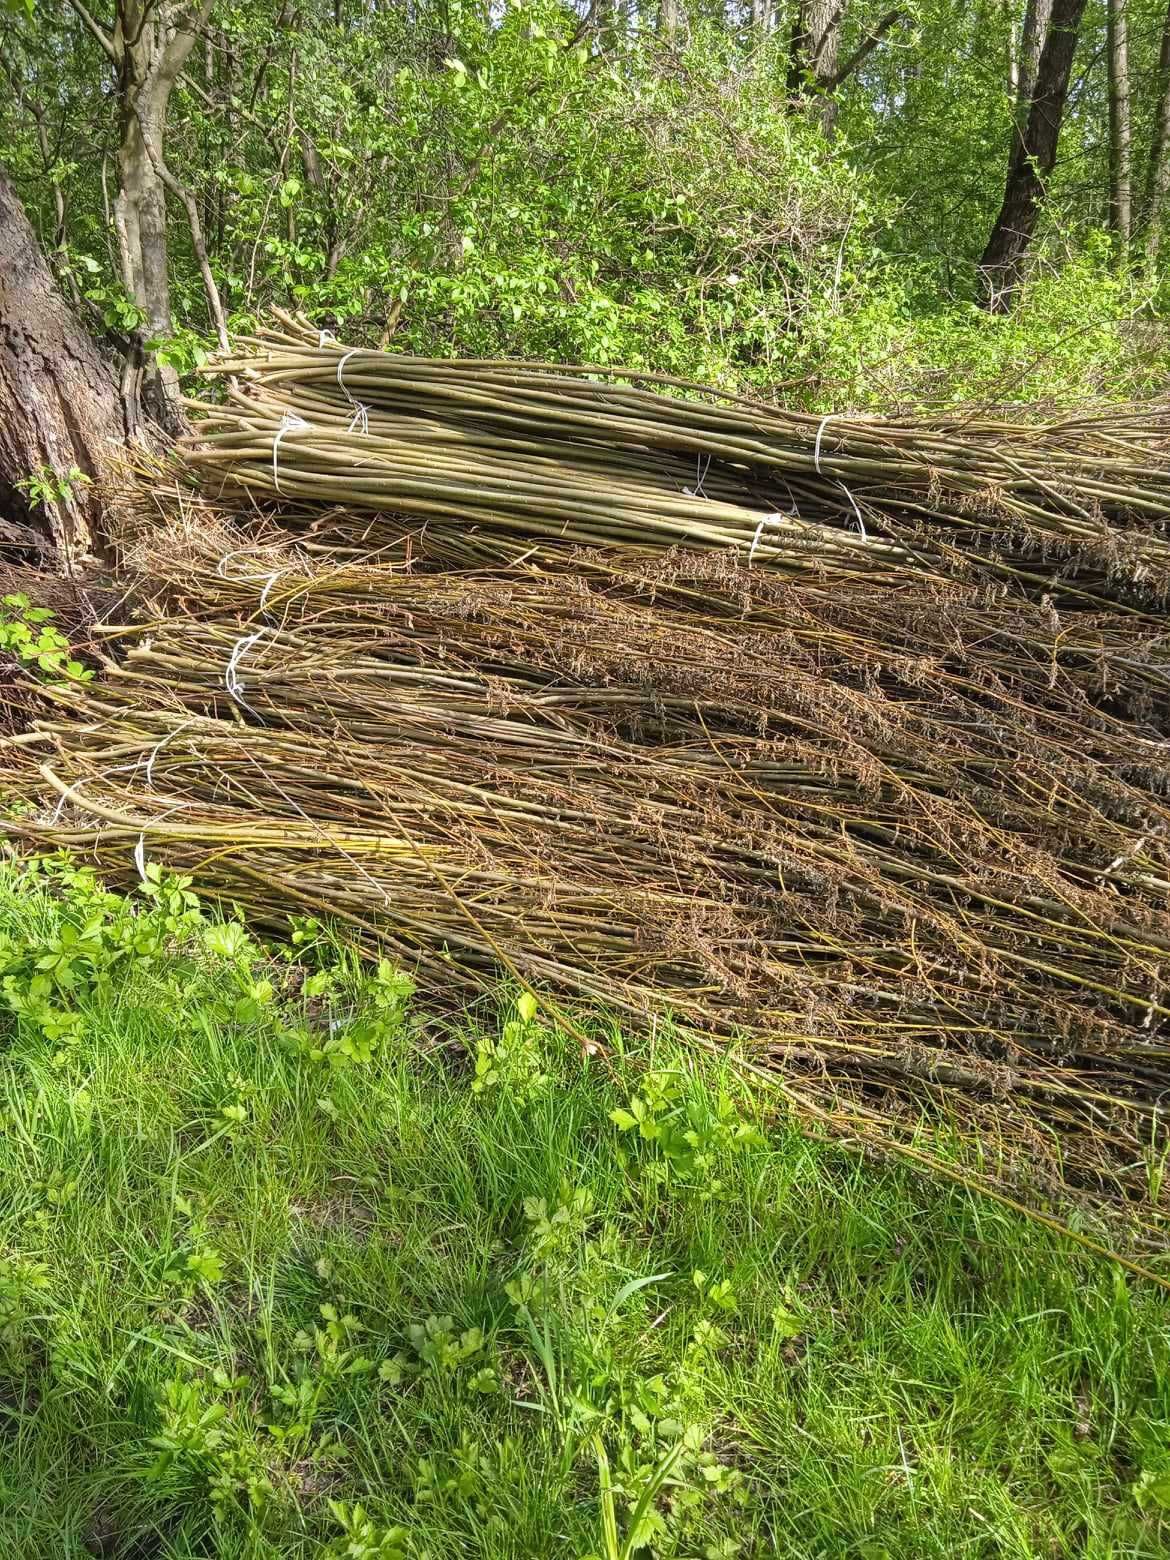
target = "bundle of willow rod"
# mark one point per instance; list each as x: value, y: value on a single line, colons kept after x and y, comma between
x: 493, y: 459
x: 910, y: 842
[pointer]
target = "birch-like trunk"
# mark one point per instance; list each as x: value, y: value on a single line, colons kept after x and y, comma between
x: 1120, y: 132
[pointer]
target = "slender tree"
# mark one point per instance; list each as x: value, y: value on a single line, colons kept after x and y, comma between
x: 1023, y: 67
x: 1158, y: 179
x: 1037, y: 17
x: 669, y: 17
x: 1033, y: 159
x: 1120, y: 133
x: 814, y: 52
x: 148, y: 47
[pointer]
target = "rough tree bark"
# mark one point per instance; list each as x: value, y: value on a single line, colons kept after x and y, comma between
x: 1120, y: 134
x: 1158, y: 179
x: 812, y: 55
x: 1033, y: 160
x: 59, y: 402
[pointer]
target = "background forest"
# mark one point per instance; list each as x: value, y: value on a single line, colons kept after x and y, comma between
x: 838, y: 202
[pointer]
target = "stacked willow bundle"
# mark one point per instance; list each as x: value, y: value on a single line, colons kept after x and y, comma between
x: 909, y: 841
x: 492, y: 460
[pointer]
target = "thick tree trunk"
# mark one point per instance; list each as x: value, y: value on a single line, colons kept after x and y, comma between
x: 1032, y: 161
x: 1158, y: 184
x: 1120, y: 134
x: 59, y: 402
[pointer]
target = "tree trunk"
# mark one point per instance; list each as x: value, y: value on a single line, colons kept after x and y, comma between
x: 1037, y: 19
x: 669, y: 17
x: 813, y: 52
x: 1026, y: 64
x: 140, y: 218
x: 1159, y: 171
x: 59, y: 404
x: 1033, y: 160
x: 1120, y: 135
x: 148, y: 49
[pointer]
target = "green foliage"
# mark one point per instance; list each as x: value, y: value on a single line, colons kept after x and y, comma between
x: 515, y: 181
x: 45, y: 486
x: 691, y: 1132
x: 28, y: 634
x: 364, y: 1539
x: 515, y: 1060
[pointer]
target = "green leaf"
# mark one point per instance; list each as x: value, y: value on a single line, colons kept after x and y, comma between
x: 1153, y: 1489
x: 632, y: 1288
x: 207, y: 1265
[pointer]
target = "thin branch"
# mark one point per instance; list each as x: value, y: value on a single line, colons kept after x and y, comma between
x: 864, y: 49
x: 105, y: 42
x: 221, y: 106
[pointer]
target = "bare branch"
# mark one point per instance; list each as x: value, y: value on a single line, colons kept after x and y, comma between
x: 864, y: 49
x: 104, y: 41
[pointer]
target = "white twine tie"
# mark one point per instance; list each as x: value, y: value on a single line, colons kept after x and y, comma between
x: 324, y: 336
x: 231, y: 677
x: 820, y: 435
x: 856, y: 511
x: 140, y: 857
x: 775, y: 519
x: 341, y: 384
x: 158, y: 747
x: 289, y: 423
x: 269, y: 583
x: 360, y: 421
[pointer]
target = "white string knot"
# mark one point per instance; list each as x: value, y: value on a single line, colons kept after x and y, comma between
x: 774, y: 519
x: 140, y: 857
x: 820, y: 435
x: 360, y: 421
x: 324, y: 336
x: 232, y: 680
x: 289, y: 423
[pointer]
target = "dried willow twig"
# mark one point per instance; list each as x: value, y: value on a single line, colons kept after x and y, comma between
x: 498, y: 458
x: 842, y: 740
x: 908, y: 843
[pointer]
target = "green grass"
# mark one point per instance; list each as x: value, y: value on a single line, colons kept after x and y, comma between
x: 224, y: 1208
